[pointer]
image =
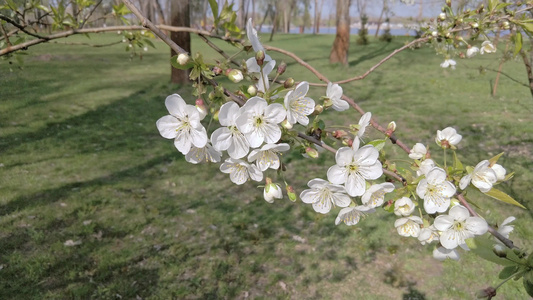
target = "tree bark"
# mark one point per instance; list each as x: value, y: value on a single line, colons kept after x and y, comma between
x: 341, y: 45
x: 179, y: 16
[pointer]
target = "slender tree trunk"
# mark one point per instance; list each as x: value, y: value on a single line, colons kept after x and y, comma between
x: 381, y: 17
x: 159, y: 9
x: 179, y: 12
x: 529, y: 70
x: 341, y: 45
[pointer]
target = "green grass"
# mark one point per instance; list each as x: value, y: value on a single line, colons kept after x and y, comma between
x: 82, y: 160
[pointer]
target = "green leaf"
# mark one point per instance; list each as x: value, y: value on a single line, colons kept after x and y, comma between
x: 492, y: 4
x: 499, y: 195
x: 378, y: 144
x: 527, y: 26
x: 528, y: 282
x: 457, y: 165
x: 517, y: 42
x: 214, y: 9
x: 482, y: 247
x: 149, y: 43
x: 508, y: 272
x: 175, y: 64
x: 494, y: 159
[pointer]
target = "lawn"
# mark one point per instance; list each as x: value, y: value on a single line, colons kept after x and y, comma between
x: 95, y: 204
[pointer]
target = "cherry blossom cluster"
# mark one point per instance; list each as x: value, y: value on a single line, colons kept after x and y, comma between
x: 251, y: 140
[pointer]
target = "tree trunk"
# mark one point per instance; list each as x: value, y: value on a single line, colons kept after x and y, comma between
x: 159, y: 9
x: 381, y: 17
x: 179, y: 16
x: 341, y: 45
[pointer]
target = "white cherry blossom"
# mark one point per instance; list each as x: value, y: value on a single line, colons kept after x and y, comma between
x: 435, y: 191
x: 419, y: 151
x: 351, y: 215
x: 428, y: 235
x: 487, y: 47
x: 505, y: 229
x: 363, y: 123
x: 259, y: 121
x: 408, y: 226
x: 334, y: 94
x: 448, y: 138
x: 500, y: 172
x: 425, y: 167
x: 239, y: 171
x: 472, y: 51
x: 375, y: 195
x: 404, y: 207
x: 448, y: 63
x: 298, y: 105
x: 205, y: 154
x: 267, y: 156
x: 183, y: 125
x: 324, y: 195
x: 229, y: 137
x: 458, y: 226
x: 483, y: 177
x: 442, y: 254
x: 251, y: 63
x: 354, y: 166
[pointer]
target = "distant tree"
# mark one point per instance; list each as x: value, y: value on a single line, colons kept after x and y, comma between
x: 341, y: 44
x: 179, y: 11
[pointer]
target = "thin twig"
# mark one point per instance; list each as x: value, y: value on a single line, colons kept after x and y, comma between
x: 217, y: 49
x: 90, y: 14
x: 20, y: 27
x: 88, y: 44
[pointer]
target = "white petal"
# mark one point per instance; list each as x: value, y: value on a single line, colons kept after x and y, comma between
x: 449, y: 239
x: 167, y: 126
x: 476, y: 225
x: 355, y: 185
x: 465, y: 181
x: 309, y: 196
x: 344, y: 156
x: 443, y: 222
x: 459, y: 213
x: 337, y: 174
x: 341, y: 200
x: 228, y: 113
x: 175, y: 105
x: 198, y: 137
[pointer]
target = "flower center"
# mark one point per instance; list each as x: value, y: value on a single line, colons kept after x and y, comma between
x: 258, y: 121
x: 353, y: 167
x: 458, y: 226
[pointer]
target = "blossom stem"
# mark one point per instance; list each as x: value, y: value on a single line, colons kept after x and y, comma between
x: 444, y: 158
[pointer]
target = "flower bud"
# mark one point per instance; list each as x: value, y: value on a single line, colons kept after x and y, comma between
x: 252, y: 90
x: 349, y: 142
x: 183, y: 59
x: 474, y: 25
x: 499, y: 250
x: 311, y: 152
x: 289, y: 82
x: 234, y: 75
x: 282, y: 67
x: 286, y: 124
x: 339, y: 134
x: 211, y: 96
x: 200, y: 106
x: 260, y: 57
x: 505, y: 25
x: 434, y: 34
x: 442, y: 16
x: 219, y: 91
x: 449, y: 3
x: 318, y: 109
x: 290, y: 192
x: 215, y: 115
x: 272, y: 191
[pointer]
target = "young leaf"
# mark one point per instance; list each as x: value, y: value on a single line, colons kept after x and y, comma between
x: 494, y: 159
x: 378, y: 144
x: 457, y: 163
x: 508, y: 272
x: 499, y: 195
x: 517, y: 42
x: 214, y: 9
x: 482, y: 247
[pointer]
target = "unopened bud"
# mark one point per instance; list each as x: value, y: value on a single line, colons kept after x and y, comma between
x: 234, y: 75
x: 474, y: 25
x: 311, y: 152
x: 200, y: 106
x: 434, y: 34
x: 290, y: 192
x: 252, y: 90
x: 449, y: 3
x: 499, y: 250
x: 219, y: 91
x: 211, y: 96
x: 289, y: 82
x: 442, y: 16
x: 183, y: 59
x: 505, y: 25
x: 489, y: 293
x: 282, y: 67
x: 286, y: 124
x: 339, y: 134
x: 215, y: 115
x: 260, y: 57
x: 318, y: 109
x: 349, y: 142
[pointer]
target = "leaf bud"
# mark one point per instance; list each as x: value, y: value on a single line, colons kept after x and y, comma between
x: 289, y: 82
x: 391, y: 128
x: 260, y: 57
x: 252, y: 90
x: 183, y: 59
x: 282, y: 67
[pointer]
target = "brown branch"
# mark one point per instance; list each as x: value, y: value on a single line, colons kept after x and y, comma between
x: 217, y: 49
x: 146, y: 23
x: 20, y: 27
x: 6, y: 36
x: 507, y: 242
x: 88, y: 44
x: 90, y: 14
